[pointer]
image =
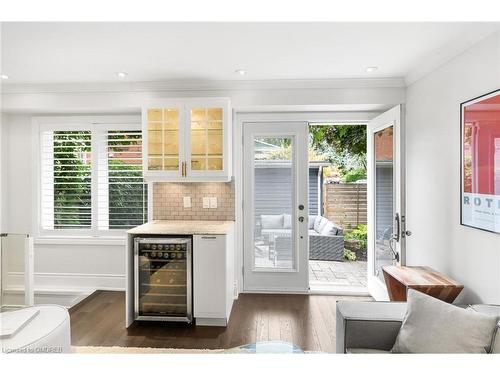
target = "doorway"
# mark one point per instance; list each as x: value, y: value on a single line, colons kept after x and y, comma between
x: 278, y: 210
x: 338, y: 208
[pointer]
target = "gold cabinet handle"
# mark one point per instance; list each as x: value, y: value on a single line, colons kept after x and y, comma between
x: 184, y: 169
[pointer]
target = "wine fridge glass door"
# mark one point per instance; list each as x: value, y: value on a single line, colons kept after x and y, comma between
x: 163, y: 279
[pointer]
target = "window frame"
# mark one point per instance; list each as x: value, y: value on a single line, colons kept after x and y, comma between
x: 98, y: 126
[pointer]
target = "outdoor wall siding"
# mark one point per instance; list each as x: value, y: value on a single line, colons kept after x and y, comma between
x: 168, y: 201
x: 313, y: 191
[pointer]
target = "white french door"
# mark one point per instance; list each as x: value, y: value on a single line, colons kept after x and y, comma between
x: 386, y: 198
x: 275, y: 207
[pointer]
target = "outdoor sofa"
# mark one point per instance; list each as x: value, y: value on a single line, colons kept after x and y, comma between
x: 326, y: 240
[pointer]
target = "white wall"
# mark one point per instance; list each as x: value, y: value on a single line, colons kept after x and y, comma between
x: 79, y: 268
x: 60, y: 268
x: 469, y: 255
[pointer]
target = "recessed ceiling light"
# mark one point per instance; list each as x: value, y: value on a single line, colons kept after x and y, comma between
x: 241, y: 72
x: 4, y: 76
x: 371, y: 69
x: 122, y: 74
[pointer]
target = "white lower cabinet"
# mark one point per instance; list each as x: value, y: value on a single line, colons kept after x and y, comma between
x: 213, y: 279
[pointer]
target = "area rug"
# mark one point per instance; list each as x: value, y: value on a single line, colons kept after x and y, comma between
x: 135, y: 350
x: 249, y: 349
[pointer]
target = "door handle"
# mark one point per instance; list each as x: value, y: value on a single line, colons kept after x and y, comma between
x: 301, y: 219
x: 395, y: 234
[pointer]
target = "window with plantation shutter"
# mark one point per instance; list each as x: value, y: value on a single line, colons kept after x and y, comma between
x: 123, y: 195
x: 91, y: 177
x: 66, y: 180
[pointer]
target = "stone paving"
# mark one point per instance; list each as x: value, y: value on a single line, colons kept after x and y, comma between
x: 321, y: 272
x: 346, y: 273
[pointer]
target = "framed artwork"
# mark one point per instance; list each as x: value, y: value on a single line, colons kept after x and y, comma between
x: 480, y: 162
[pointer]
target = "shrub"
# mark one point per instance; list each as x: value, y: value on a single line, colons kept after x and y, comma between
x: 360, y: 233
x: 355, y: 174
x: 349, y: 255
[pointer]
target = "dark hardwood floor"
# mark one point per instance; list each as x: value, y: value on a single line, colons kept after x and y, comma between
x: 306, y: 320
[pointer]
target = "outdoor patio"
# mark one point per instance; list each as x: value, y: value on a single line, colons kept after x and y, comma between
x: 348, y: 273
x: 323, y: 274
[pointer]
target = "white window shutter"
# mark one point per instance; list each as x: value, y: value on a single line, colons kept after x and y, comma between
x: 66, y: 169
x: 122, y: 192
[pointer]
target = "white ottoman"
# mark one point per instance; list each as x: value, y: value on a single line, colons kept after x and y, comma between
x: 48, y: 332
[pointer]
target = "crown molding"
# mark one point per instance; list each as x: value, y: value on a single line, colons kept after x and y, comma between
x: 391, y: 82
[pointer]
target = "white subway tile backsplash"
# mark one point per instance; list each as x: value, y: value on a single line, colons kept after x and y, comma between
x: 168, y: 201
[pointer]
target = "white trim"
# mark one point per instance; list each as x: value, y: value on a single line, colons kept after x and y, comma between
x: 357, y: 115
x: 280, y: 84
x: 66, y: 281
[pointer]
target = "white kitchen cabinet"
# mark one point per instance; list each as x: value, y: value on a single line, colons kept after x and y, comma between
x: 213, y: 278
x: 187, y: 140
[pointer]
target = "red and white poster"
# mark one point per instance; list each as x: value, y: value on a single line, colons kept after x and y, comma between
x: 481, y: 162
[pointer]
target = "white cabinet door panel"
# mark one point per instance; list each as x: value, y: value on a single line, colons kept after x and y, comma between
x: 209, y: 276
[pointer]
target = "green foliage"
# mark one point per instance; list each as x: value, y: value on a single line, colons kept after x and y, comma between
x: 344, y: 145
x: 360, y: 233
x: 72, y: 184
x: 351, y: 138
x: 355, y: 175
x: 349, y: 255
x: 127, y: 193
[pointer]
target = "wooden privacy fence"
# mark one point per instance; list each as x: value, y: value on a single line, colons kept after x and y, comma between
x: 345, y: 203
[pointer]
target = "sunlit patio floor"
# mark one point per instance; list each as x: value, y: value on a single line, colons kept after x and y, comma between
x: 347, y: 273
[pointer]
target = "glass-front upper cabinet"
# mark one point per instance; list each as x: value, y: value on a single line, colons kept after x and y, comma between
x: 163, y: 139
x: 187, y: 140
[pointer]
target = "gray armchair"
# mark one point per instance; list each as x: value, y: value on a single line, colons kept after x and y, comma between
x: 372, y: 327
x: 368, y: 326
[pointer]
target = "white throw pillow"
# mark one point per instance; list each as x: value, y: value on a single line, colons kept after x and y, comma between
x: 287, y: 221
x: 329, y: 229
x: 271, y: 221
x: 433, y: 326
x: 312, y: 219
x: 319, y: 223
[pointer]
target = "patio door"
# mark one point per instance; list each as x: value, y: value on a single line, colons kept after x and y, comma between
x: 386, y: 198
x: 275, y: 207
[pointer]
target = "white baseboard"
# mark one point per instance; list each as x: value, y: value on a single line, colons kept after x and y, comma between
x: 66, y: 298
x: 65, y: 289
x: 69, y: 281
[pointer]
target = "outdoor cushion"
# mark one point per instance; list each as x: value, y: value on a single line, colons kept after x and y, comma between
x: 271, y: 221
x: 319, y: 223
x: 329, y: 229
x: 433, y: 326
x: 287, y: 221
x: 312, y: 219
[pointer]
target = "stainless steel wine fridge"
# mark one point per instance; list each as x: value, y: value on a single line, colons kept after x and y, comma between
x: 163, y: 287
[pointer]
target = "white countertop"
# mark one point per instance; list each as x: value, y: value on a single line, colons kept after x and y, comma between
x: 183, y: 227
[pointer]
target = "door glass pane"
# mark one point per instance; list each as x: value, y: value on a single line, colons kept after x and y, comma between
x: 206, y: 139
x: 384, y: 198
x: 273, y: 203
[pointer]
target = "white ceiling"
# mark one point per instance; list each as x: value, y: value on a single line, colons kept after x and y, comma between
x: 94, y: 52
